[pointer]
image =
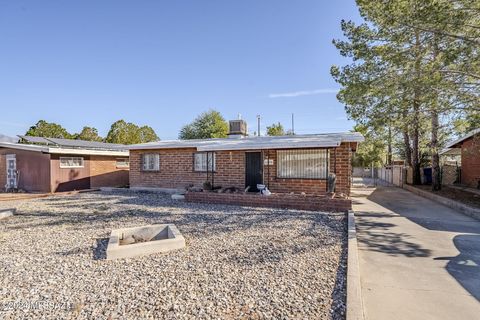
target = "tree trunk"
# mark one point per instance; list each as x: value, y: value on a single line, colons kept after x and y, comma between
x: 408, y: 148
x: 416, y: 115
x: 436, y: 175
x: 406, y: 133
x: 389, y: 157
x: 415, y: 148
x: 436, y: 178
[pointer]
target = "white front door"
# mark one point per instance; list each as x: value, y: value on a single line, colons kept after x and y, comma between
x: 11, y: 172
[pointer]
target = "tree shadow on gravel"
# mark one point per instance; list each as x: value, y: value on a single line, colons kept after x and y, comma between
x: 222, y: 218
x: 100, y: 249
x: 194, y: 220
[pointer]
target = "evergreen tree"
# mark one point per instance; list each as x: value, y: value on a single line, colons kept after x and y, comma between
x: 415, y: 62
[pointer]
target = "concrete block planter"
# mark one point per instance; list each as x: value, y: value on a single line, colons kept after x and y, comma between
x: 6, y: 213
x: 138, y: 241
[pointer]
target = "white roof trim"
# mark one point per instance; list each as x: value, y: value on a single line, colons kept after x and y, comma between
x: 53, y: 150
x: 89, y: 152
x: 465, y: 137
x: 450, y: 152
x: 28, y: 147
x: 326, y: 140
x: 263, y: 146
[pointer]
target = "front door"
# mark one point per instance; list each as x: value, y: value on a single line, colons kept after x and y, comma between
x: 11, y: 171
x: 253, y: 170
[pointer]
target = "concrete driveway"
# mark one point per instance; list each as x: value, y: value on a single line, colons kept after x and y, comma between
x: 418, y: 259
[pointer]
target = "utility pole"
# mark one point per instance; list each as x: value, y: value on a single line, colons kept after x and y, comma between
x: 258, y: 124
x: 293, y: 125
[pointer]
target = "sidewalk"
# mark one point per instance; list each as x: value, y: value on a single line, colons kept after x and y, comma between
x: 418, y: 259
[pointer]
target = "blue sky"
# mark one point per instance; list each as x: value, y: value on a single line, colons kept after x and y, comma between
x: 161, y: 63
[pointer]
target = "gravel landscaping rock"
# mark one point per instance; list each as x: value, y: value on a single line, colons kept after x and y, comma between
x: 239, y: 263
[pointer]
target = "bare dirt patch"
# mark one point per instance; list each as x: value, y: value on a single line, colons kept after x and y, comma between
x: 460, y: 195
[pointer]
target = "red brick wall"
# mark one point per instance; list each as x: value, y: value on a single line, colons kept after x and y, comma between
x: 3, y: 172
x: 68, y: 179
x: 34, y: 169
x: 104, y: 172
x: 471, y: 162
x: 339, y: 163
x: 288, y: 201
x: 176, y: 171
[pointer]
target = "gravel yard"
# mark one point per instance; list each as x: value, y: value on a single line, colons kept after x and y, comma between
x: 240, y: 263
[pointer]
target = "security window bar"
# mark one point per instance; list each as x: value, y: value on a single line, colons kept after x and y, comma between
x: 71, y: 162
x: 123, y: 163
x: 151, y: 162
x: 302, y: 163
x: 204, y: 160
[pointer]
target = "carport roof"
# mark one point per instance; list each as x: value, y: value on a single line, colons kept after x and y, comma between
x: 63, y: 150
x: 324, y: 140
x: 73, y: 143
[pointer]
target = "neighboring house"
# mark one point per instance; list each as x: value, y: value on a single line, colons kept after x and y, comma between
x: 55, y: 165
x: 285, y: 164
x: 469, y: 146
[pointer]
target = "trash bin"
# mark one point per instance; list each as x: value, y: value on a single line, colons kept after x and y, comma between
x: 332, y: 181
x: 427, y: 175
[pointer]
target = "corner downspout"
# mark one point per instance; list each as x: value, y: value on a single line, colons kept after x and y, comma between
x: 213, y: 170
x: 268, y: 169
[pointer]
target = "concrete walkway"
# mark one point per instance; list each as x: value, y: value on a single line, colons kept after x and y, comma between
x: 418, y: 259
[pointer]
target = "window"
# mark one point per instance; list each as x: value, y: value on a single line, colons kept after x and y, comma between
x: 151, y: 162
x: 204, y: 160
x: 71, y: 162
x: 302, y: 163
x: 123, y: 163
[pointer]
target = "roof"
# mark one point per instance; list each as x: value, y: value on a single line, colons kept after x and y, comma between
x: 64, y: 150
x: 324, y: 140
x: 455, y: 144
x: 450, y: 152
x: 74, y: 143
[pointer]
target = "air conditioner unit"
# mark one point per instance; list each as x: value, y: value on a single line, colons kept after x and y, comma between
x: 237, y: 127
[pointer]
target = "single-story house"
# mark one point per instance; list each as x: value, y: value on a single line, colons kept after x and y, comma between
x: 285, y: 164
x: 56, y: 165
x: 469, y: 146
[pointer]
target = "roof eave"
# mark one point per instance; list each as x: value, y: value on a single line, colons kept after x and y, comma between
x: 266, y: 147
x: 88, y: 152
x: 458, y: 143
x: 55, y: 150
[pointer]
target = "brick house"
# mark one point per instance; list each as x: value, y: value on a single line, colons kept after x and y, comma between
x: 469, y: 146
x: 286, y: 164
x: 56, y: 165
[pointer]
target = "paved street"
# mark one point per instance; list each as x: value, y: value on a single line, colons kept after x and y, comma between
x: 418, y: 259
